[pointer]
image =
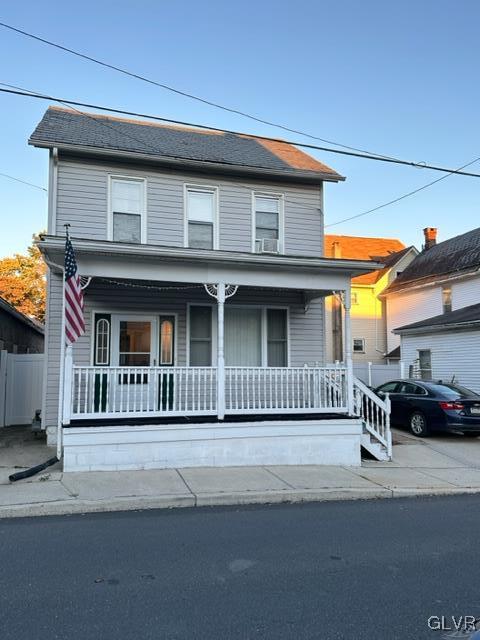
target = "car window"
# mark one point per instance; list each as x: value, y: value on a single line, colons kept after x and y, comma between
x: 453, y: 391
x: 389, y: 387
x: 411, y: 389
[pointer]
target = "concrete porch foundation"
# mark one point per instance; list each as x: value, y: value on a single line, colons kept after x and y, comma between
x: 335, y: 441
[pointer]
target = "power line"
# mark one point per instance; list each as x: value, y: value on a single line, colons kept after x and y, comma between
x: 191, y: 96
x: 406, y: 195
x: 366, y: 156
x: 30, y: 184
x: 101, y: 123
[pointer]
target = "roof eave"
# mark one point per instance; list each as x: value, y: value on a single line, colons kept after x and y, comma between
x: 296, y: 175
x: 440, y: 279
x: 352, y: 267
x: 435, y: 328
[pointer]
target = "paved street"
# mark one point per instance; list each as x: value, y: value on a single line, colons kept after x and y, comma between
x: 363, y: 570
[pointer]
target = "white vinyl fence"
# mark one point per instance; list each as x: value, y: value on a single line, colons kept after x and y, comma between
x: 373, y: 375
x: 21, y: 382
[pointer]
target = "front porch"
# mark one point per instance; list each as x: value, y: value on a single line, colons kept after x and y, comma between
x: 168, y: 337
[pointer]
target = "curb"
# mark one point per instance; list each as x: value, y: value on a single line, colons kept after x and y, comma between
x: 140, y: 503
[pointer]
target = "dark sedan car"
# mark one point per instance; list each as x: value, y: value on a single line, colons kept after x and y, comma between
x: 426, y: 406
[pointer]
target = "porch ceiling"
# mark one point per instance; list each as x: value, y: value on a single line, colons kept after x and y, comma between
x: 178, y: 264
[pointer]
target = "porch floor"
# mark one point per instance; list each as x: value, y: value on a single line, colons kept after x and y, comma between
x: 173, y: 420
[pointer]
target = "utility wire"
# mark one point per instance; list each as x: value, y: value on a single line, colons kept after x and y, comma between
x: 30, y: 184
x: 147, y: 146
x: 179, y: 92
x: 422, y: 165
x: 406, y: 195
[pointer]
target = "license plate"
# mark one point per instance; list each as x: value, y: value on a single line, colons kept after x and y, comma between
x: 475, y: 411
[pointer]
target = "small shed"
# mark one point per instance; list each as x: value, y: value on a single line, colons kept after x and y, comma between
x: 18, y: 332
x: 445, y: 347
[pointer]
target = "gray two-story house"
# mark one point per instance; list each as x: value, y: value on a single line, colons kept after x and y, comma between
x: 201, y: 256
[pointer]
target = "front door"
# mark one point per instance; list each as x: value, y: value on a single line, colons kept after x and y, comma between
x: 134, y: 344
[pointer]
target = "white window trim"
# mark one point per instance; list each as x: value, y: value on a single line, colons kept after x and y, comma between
x: 264, y: 345
x: 216, y: 211
x: 281, y: 217
x: 143, y: 212
x: 121, y: 315
x: 363, y: 343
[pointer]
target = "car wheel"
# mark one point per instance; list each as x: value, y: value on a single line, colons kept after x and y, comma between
x: 471, y: 434
x: 418, y: 424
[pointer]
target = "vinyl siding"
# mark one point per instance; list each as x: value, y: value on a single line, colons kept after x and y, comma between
x: 453, y: 354
x: 411, y: 306
x: 465, y: 293
x: 368, y: 322
x: 83, y: 203
x: 306, y: 343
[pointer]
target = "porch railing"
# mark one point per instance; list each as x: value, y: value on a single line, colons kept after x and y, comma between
x: 285, y: 390
x: 142, y: 391
x: 106, y: 392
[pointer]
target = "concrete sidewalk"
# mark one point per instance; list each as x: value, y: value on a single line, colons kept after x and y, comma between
x: 441, y: 465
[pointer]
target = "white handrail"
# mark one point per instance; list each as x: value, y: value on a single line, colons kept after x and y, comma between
x: 375, y: 413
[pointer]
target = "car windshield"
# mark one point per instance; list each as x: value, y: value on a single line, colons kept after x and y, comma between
x: 453, y: 391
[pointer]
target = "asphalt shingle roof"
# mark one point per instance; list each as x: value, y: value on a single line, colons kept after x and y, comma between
x: 453, y: 256
x: 384, y: 250
x: 459, y: 316
x: 60, y: 126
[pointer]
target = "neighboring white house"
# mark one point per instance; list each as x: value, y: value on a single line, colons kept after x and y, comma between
x: 446, y: 347
x: 201, y: 255
x: 369, y: 325
x: 444, y: 278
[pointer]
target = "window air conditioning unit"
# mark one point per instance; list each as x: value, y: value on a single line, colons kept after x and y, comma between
x: 267, y: 245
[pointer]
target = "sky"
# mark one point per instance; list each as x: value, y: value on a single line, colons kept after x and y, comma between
x: 397, y: 79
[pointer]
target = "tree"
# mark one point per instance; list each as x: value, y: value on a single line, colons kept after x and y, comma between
x: 23, y: 282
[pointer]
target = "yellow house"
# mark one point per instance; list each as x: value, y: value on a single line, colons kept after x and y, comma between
x: 369, y: 325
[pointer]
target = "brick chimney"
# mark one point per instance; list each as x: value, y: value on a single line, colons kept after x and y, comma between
x: 430, y: 234
x: 336, y: 249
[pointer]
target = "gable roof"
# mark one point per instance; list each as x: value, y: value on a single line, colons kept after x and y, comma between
x: 460, y: 318
x: 457, y: 256
x: 21, y: 317
x: 67, y: 128
x: 387, y: 251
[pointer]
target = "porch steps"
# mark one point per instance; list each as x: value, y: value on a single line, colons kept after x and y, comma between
x: 375, y: 448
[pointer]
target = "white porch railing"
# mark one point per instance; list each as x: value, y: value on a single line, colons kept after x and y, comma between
x: 103, y: 392
x: 106, y: 392
x: 285, y: 390
x: 375, y: 414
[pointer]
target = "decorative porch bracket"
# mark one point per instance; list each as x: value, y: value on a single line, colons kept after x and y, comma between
x: 221, y: 292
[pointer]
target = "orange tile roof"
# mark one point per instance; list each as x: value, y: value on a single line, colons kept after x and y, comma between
x: 363, y: 248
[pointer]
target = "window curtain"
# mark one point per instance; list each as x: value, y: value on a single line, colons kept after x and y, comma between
x: 243, y: 337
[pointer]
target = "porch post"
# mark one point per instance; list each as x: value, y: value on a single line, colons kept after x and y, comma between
x: 348, y: 351
x: 220, y: 351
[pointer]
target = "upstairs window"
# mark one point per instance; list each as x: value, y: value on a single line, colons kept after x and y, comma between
x: 267, y: 213
x: 201, y: 208
x: 447, y: 299
x: 127, y: 210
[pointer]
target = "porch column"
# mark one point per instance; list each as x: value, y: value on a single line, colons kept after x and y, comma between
x: 221, y: 292
x: 348, y: 351
x: 220, y: 351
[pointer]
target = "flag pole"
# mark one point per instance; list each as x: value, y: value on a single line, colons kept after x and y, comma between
x: 61, y: 386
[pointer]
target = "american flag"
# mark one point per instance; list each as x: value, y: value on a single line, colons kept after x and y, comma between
x: 74, y: 320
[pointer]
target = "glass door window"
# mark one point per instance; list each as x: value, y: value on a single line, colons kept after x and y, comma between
x: 135, y: 343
